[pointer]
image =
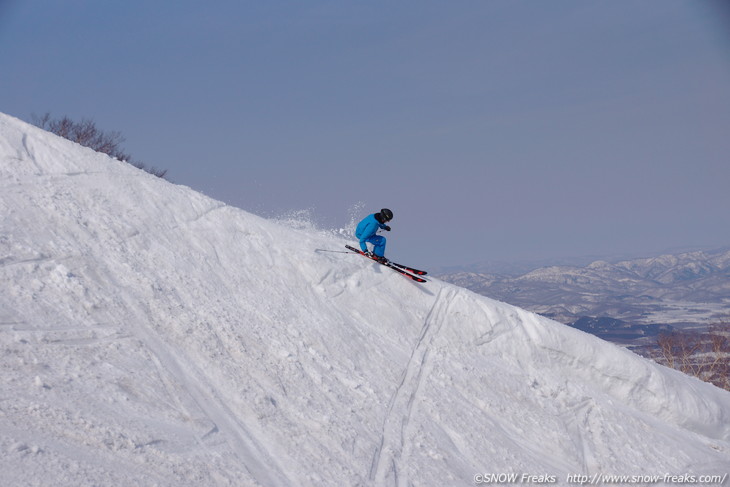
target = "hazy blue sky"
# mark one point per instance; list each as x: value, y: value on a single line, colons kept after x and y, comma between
x: 494, y: 129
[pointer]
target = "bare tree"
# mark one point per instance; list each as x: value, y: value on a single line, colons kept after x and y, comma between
x: 705, y: 355
x: 87, y: 134
x: 718, y: 366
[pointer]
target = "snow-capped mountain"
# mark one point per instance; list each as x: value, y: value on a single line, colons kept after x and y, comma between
x: 691, y: 288
x: 152, y: 336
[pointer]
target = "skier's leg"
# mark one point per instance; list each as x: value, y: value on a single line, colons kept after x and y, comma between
x: 378, y: 242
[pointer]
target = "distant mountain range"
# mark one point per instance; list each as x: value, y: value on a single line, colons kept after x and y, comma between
x: 621, y: 301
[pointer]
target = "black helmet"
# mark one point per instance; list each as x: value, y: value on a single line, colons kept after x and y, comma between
x: 386, y: 214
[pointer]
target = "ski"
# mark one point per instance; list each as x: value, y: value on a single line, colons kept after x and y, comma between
x: 410, y: 269
x: 391, y: 265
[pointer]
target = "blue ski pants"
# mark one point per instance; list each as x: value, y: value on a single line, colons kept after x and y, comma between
x: 378, y: 242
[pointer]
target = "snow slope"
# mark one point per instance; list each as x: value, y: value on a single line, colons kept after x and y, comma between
x: 153, y: 336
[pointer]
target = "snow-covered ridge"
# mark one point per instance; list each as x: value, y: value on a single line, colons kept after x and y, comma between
x: 153, y: 336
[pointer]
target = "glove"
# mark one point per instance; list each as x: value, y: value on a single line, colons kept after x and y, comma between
x: 386, y: 228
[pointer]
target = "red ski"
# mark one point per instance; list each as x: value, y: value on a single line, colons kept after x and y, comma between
x: 401, y: 269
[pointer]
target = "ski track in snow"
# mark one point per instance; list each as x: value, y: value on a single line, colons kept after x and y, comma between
x: 262, y: 466
x: 388, y: 465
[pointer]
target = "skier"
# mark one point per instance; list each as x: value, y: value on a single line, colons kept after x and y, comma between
x: 367, y: 233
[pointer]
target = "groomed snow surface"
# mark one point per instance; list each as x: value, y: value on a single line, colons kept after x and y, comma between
x: 152, y: 336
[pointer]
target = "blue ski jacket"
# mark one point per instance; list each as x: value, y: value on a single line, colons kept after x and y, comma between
x: 367, y: 229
